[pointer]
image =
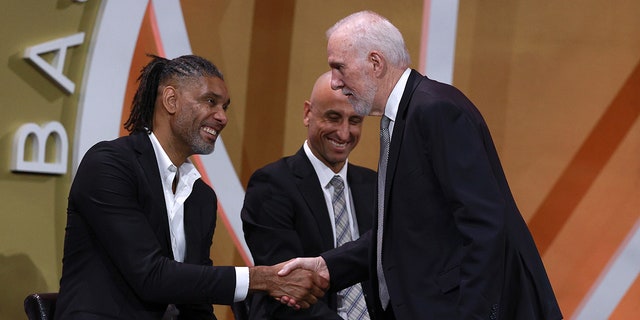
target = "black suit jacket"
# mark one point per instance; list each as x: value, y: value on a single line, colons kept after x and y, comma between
x: 454, y: 245
x: 285, y: 216
x: 118, y: 261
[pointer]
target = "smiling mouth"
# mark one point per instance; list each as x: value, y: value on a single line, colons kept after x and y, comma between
x: 339, y: 145
x: 210, y: 131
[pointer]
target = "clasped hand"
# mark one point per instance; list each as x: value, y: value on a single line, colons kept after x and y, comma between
x: 298, y: 286
x: 316, y: 266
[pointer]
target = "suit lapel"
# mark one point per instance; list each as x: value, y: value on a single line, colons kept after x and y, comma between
x: 157, y: 213
x: 193, y: 224
x: 398, y: 131
x: 309, y: 186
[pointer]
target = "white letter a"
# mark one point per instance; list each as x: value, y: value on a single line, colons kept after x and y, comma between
x: 54, y: 70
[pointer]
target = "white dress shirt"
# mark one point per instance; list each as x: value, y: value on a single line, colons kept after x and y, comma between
x: 187, y: 176
x: 393, y: 102
x: 325, y: 174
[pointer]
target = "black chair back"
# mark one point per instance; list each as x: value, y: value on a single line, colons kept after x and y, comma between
x: 40, y: 306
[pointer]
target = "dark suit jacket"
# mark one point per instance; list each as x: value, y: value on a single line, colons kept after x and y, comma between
x: 285, y: 216
x: 455, y: 245
x: 118, y: 262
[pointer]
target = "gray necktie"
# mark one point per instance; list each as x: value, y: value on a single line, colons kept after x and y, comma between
x: 385, y: 140
x: 352, y: 297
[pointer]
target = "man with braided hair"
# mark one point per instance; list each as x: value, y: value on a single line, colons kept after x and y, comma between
x: 140, y: 221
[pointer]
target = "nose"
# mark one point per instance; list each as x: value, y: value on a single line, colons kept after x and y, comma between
x: 221, y: 116
x: 343, y: 131
x: 336, y: 82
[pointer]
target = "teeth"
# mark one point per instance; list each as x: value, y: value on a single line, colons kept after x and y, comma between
x: 210, y: 131
x: 338, y: 144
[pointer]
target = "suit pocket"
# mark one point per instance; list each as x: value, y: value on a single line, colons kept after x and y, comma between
x: 449, y: 280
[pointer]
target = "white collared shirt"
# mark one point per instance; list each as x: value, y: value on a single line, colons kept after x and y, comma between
x: 325, y: 174
x: 393, y: 102
x: 188, y: 174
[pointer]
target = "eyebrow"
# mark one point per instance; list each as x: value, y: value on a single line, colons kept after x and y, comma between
x: 217, y: 97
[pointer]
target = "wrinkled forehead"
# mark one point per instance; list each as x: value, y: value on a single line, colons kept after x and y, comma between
x: 343, y: 48
x: 339, y: 39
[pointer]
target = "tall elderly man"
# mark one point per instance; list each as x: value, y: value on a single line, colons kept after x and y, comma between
x: 449, y: 242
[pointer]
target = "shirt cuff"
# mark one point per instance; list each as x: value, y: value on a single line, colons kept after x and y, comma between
x: 242, y: 284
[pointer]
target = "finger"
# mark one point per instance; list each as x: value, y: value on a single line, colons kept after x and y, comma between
x: 288, y: 267
x: 302, y: 305
x: 316, y: 292
x: 313, y: 299
x: 284, y: 299
x: 322, y: 282
x: 307, y: 300
x: 293, y: 304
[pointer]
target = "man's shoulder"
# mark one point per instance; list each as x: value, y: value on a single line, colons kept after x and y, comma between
x: 358, y: 175
x: 121, y: 152
x: 360, y: 170
x: 121, y: 143
x: 202, y: 191
x: 284, y: 164
x: 274, y: 167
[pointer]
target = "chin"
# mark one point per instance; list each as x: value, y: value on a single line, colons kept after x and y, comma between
x: 204, y: 149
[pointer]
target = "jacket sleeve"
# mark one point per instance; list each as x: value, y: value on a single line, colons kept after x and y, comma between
x: 456, y: 138
x: 200, y: 223
x: 349, y: 263
x: 269, y: 223
x: 114, y: 197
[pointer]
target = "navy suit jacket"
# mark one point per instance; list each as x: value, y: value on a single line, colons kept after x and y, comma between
x: 454, y: 245
x: 118, y: 261
x: 285, y: 216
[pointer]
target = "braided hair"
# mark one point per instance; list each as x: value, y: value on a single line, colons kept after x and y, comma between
x: 156, y: 73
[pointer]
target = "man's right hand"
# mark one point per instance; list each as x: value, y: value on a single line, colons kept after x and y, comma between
x: 305, y: 287
x: 316, y: 264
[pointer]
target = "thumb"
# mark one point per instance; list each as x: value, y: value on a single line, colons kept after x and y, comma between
x: 288, y: 267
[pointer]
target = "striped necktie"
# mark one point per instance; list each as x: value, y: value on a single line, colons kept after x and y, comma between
x: 385, y: 141
x: 351, y: 298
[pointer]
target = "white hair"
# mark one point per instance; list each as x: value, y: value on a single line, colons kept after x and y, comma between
x: 370, y: 31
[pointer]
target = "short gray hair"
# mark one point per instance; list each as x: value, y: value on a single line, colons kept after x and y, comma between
x: 371, y: 31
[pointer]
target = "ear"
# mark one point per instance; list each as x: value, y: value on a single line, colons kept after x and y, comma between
x: 377, y: 61
x: 169, y: 99
x: 305, y: 114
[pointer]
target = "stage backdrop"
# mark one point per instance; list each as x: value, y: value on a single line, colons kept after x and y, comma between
x: 557, y: 83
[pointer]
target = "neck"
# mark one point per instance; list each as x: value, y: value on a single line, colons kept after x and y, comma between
x: 387, y: 84
x: 171, y: 148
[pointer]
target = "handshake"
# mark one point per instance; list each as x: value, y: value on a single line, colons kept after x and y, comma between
x: 298, y: 283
